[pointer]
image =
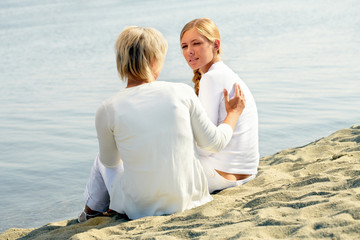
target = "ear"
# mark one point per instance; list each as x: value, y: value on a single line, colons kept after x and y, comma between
x: 217, y: 44
x: 153, y: 63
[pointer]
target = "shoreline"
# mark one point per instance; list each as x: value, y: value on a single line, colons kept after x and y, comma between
x: 309, y: 192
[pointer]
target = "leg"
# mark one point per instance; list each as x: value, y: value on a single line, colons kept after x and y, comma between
x: 96, y: 195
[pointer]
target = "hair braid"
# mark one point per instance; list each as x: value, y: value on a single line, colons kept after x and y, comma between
x: 196, y: 80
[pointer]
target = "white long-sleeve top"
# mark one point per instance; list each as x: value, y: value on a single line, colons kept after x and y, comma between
x: 241, y: 155
x: 153, y: 128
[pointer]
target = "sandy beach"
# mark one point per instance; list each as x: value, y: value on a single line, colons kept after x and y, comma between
x: 308, y: 192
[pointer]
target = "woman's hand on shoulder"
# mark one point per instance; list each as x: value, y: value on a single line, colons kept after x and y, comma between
x: 237, y: 104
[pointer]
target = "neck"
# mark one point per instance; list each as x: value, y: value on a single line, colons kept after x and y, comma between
x: 136, y: 82
x: 206, y: 68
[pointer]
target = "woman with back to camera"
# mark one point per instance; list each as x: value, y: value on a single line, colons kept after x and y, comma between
x: 237, y: 163
x: 147, y: 163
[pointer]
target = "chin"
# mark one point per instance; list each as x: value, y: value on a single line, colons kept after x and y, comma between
x: 193, y: 67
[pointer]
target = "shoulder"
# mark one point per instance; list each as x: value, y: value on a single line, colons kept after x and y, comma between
x: 107, y: 106
x: 103, y: 109
x: 179, y: 93
x: 215, y: 80
x: 218, y: 74
x: 211, y: 79
x: 175, y: 87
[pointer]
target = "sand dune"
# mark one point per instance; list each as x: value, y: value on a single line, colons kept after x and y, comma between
x: 310, y: 192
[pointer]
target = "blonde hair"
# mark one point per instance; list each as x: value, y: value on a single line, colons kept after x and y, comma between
x: 137, y: 49
x: 208, y: 29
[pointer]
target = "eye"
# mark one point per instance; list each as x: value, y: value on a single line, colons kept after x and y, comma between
x: 184, y: 46
x: 196, y: 43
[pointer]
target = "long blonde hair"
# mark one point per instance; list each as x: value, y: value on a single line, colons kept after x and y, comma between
x: 208, y: 29
x: 136, y: 50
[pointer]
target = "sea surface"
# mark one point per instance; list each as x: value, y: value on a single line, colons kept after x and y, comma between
x: 301, y: 60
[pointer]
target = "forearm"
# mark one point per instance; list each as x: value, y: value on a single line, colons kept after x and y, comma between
x: 213, y: 139
x: 231, y: 119
x: 207, y: 136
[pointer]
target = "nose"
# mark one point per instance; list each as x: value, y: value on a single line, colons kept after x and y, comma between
x: 190, y: 51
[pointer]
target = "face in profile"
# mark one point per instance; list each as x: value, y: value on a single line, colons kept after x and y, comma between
x: 197, y: 50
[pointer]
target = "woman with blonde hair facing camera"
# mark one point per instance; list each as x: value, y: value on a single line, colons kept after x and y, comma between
x: 237, y: 163
x: 147, y: 163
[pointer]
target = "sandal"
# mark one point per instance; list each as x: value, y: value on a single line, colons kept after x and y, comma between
x: 83, y: 217
x: 110, y: 213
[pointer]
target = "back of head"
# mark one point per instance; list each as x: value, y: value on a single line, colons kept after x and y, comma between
x: 137, y: 49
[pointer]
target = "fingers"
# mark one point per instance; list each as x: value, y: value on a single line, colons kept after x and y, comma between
x: 239, y: 92
x: 237, y: 104
x: 226, y: 95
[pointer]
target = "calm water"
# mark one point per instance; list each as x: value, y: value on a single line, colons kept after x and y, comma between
x: 301, y: 59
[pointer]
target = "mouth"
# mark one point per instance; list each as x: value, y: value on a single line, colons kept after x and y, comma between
x: 193, y: 60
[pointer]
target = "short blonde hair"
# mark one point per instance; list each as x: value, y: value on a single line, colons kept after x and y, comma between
x: 137, y: 49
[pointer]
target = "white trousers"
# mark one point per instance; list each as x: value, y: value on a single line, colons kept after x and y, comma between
x: 217, y: 182
x: 96, y: 195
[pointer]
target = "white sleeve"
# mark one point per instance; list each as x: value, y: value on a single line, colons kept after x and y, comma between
x: 109, y: 154
x: 210, y: 95
x: 206, y: 134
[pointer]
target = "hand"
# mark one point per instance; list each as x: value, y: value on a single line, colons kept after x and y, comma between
x: 237, y: 104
